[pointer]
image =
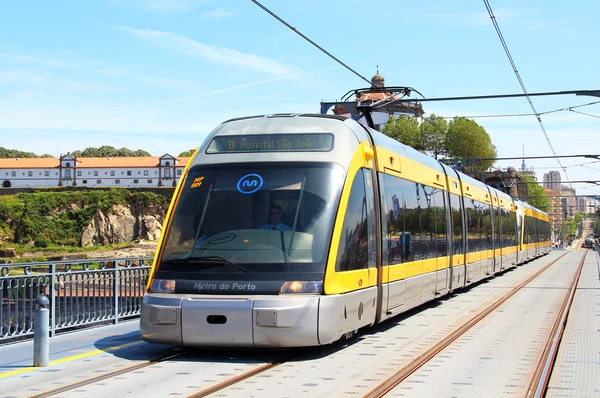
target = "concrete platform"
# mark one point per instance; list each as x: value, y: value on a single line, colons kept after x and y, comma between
x: 576, y: 372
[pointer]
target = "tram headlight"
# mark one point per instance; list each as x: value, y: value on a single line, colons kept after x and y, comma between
x: 162, y: 286
x: 315, y: 287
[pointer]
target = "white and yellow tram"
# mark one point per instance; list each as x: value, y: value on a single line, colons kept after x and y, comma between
x: 296, y: 230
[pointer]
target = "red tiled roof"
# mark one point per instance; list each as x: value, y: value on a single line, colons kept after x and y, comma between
x: 113, y: 162
x: 29, y: 163
x: 376, y: 96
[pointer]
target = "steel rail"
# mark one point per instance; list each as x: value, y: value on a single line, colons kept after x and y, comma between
x: 237, y: 379
x: 418, y: 362
x: 109, y: 375
x: 541, y: 375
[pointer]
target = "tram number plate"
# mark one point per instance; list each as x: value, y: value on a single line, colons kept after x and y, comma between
x: 266, y: 317
x: 166, y: 316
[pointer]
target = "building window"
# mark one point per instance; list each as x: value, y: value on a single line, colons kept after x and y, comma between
x: 139, y: 172
x: 155, y: 172
x: 167, y: 173
x: 150, y: 181
x: 84, y: 181
x: 129, y: 172
x: 98, y: 181
x: 68, y: 164
x: 135, y: 181
x: 40, y: 173
x: 79, y: 173
x: 96, y: 173
x: 112, y: 173
x: 30, y: 174
x: 68, y: 174
x: 179, y: 172
x: 117, y: 181
x: 167, y: 163
x: 106, y: 173
x: 145, y: 172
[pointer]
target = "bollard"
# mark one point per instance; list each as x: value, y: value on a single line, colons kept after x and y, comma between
x: 41, y: 331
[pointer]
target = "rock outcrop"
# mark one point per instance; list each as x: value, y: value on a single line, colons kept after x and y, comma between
x: 123, y: 224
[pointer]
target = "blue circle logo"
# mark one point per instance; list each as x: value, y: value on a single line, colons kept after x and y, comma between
x: 250, y: 183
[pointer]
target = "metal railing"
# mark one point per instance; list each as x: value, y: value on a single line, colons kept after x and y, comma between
x: 81, y: 293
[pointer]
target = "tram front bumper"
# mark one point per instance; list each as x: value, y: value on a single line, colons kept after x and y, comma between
x: 231, y: 321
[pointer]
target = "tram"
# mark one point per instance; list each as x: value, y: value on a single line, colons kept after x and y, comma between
x: 293, y: 230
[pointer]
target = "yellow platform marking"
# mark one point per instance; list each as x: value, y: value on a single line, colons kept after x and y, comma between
x: 70, y: 359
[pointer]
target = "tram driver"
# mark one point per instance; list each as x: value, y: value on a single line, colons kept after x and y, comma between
x: 274, y: 221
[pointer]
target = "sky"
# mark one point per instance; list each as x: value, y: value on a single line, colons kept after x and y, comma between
x: 159, y: 75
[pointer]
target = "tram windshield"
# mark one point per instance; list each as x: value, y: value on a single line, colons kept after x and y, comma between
x: 267, y: 221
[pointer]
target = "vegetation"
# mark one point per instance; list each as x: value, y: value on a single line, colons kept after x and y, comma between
x: 45, y: 219
x: 103, y: 151
x: 13, y: 153
x: 107, y: 150
x: 537, y: 194
x: 596, y: 223
x: 567, y: 230
x: 185, y: 154
x: 462, y: 138
x: 406, y: 130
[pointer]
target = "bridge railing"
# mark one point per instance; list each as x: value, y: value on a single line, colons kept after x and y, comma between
x: 81, y: 293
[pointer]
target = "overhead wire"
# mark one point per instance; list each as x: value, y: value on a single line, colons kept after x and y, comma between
x: 310, y: 41
x: 570, y: 108
x: 512, y: 63
x: 587, y: 114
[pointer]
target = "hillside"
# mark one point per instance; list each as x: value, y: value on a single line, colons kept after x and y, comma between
x: 81, y: 221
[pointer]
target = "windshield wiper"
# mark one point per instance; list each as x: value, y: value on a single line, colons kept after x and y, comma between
x: 219, y: 260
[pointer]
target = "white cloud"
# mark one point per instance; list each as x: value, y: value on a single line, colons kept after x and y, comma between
x: 169, y: 6
x: 219, y: 13
x: 221, y: 55
x: 17, y: 77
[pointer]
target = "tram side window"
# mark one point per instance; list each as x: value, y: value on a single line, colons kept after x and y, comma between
x: 457, y: 244
x: 473, y: 226
x: 397, y: 240
x: 486, y: 227
x: 497, y: 230
x: 354, y: 244
x: 508, y: 228
x: 439, y: 212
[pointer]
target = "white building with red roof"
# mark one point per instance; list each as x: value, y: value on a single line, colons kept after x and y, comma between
x: 148, y: 171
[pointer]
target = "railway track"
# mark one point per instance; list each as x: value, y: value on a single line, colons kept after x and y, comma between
x: 108, y: 375
x: 161, y: 360
x: 538, y: 383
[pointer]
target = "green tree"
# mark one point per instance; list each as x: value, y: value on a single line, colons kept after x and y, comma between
x: 469, y: 141
x: 537, y: 194
x: 406, y: 130
x: 185, y: 154
x: 107, y: 150
x: 578, y: 217
x: 47, y: 155
x: 433, y: 134
x: 6, y: 153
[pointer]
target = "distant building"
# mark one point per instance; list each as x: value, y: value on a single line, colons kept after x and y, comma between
x: 569, y: 203
x: 552, y: 180
x: 149, y: 171
x: 556, y: 214
x: 582, y: 205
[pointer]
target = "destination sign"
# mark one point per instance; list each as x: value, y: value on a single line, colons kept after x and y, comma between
x: 313, y: 142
